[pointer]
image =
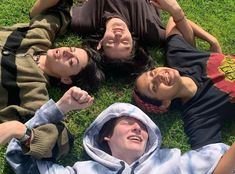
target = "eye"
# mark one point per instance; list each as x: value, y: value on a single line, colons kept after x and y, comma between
x: 154, y: 88
x: 71, y: 62
x: 125, y: 42
x: 109, y: 42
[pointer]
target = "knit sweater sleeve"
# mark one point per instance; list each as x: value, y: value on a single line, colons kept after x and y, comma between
x: 22, y: 163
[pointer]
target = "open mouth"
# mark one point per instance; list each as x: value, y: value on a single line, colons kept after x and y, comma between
x: 135, y: 138
x: 118, y: 29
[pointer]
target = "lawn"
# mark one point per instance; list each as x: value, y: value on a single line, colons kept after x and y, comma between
x: 216, y: 16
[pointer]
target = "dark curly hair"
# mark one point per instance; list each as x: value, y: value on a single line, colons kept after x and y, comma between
x: 139, y: 60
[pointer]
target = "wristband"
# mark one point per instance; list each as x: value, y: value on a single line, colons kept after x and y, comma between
x: 26, y: 136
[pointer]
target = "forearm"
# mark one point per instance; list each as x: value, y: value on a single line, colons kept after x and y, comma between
x: 48, y: 113
x: 201, y: 33
x: 226, y: 164
x: 182, y: 24
x: 41, y: 5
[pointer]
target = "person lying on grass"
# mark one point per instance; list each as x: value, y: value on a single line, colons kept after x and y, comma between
x: 200, y: 84
x: 122, y: 139
x: 121, y: 29
x: 29, y: 66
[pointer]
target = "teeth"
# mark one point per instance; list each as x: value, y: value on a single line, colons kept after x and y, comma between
x: 135, y: 138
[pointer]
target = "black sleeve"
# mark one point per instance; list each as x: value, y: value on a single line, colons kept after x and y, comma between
x: 181, y: 54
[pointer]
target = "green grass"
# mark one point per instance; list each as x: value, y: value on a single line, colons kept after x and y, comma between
x: 216, y: 16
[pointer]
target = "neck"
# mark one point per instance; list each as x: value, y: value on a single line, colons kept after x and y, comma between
x: 128, y: 156
x: 128, y: 160
x: 188, y: 90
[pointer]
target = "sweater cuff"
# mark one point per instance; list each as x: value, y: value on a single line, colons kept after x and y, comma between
x: 43, y: 141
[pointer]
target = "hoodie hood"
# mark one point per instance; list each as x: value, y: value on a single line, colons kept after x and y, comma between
x: 114, y: 111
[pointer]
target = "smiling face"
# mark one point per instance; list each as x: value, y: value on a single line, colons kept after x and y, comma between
x: 117, y: 40
x: 160, y: 83
x: 65, y: 61
x: 129, y: 138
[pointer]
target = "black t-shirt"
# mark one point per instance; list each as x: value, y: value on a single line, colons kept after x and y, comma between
x: 141, y: 17
x: 214, y: 75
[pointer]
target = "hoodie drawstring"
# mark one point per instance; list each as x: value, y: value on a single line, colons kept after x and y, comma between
x: 123, y: 167
x: 133, y: 168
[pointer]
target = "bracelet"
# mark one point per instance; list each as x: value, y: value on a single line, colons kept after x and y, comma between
x: 179, y: 20
x: 26, y: 136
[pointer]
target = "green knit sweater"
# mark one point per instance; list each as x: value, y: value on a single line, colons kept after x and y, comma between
x: 23, y: 86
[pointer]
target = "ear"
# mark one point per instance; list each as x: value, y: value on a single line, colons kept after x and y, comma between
x: 99, y: 45
x: 165, y: 104
x: 106, y: 138
x: 66, y: 80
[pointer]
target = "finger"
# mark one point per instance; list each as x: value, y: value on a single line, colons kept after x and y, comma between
x: 83, y: 97
x: 88, y: 103
x: 78, y: 93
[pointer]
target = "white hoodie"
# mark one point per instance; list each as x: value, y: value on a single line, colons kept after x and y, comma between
x: 154, y: 161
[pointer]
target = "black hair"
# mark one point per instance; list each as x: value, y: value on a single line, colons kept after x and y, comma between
x: 146, y: 99
x: 106, y: 131
x: 88, y: 78
x: 139, y: 60
x: 91, y: 76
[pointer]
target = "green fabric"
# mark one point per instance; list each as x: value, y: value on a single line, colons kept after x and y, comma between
x: 23, y: 87
x: 43, y: 141
x: 50, y: 141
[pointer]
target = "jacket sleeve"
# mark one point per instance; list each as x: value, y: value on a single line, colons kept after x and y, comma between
x: 204, y: 159
x: 25, y: 164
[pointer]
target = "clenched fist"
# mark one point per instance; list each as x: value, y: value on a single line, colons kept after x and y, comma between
x: 74, y: 99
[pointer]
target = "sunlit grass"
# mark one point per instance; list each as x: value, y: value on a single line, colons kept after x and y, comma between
x: 216, y: 16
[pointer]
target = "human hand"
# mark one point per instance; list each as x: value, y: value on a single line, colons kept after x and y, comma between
x: 74, y: 99
x: 11, y: 129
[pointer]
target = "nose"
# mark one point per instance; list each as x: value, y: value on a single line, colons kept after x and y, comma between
x: 118, y: 34
x: 136, y: 128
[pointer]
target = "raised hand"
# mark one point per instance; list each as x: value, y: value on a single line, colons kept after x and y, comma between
x: 74, y: 99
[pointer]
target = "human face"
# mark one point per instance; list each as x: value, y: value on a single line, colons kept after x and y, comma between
x: 65, y: 61
x: 160, y: 83
x: 129, y: 138
x: 117, y: 40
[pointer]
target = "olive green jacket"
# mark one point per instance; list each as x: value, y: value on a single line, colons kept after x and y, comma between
x: 23, y: 86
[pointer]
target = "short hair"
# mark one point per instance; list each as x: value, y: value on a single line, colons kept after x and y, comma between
x: 138, y: 61
x: 91, y: 76
x: 147, y: 104
x: 106, y: 131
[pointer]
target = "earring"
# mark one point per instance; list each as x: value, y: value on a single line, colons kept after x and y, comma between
x: 106, y: 138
